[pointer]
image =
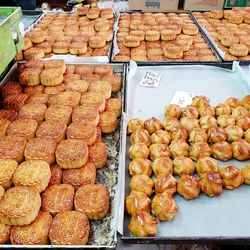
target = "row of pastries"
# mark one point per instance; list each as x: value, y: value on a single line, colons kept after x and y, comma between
x: 187, y: 143
x: 51, y: 148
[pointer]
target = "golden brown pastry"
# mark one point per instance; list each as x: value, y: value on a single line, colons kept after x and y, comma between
x: 162, y: 165
x: 221, y: 151
x: 5, y: 231
x: 233, y: 102
x: 199, y: 101
x: 7, y: 169
x: 233, y: 133
x: 245, y: 171
x: 158, y: 150
x: 59, y: 113
x: 241, y: 150
x: 222, y: 109
x: 199, y: 150
x: 114, y: 105
x: 161, y: 136
x: 139, y: 150
x: 243, y: 122
x: 245, y: 101
x: 179, y: 148
x: 4, y: 124
x: 189, y: 123
x: 140, y: 136
x: 15, y: 101
x: 143, y: 224
x: 137, y: 202
x: 98, y: 154
x: 139, y: 166
x: 189, y: 187
x: 247, y: 135
x: 183, y: 165
x: 164, y: 207
x: 211, y: 183
x: 205, y: 165
x: 170, y: 124
x: 207, y: 122
x: 179, y: 133
x: 191, y: 111
x: 173, y: 110
x: 134, y: 124
x: 165, y: 183
x: 231, y: 176
x: 197, y: 135
x: 239, y: 111
x: 152, y: 125
x: 56, y: 174
x: 216, y: 134
x: 142, y: 183
x: 225, y: 120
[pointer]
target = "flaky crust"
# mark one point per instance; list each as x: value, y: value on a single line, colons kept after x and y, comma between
x: 165, y: 183
x: 158, y: 150
x: 162, y: 165
x: 183, y: 165
x: 231, y: 176
x: 152, y: 125
x: 221, y: 151
x: 140, y: 136
x: 139, y: 150
x: 161, y: 136
x: 140, y: 166
x: 134, y: 124
x: 142, y: 183
x: 199, y: 150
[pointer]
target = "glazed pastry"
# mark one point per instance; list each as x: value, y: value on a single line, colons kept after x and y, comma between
x: 170, y: 124
x: 216, y: 134
x: 191, y: 111
x: 225, y: 120
x: 189, y: 187
x: 162, y: 165
x: 134, y: 124
x: 164, y: 207
x: 241, y: 150
x: 246, y: 174
x: 179, y: 148
x: 142, y: 183
x: 245, y: 101
x: 165, y: 183
x: 137, y: 202
x: 179, y: 133
x: 139, y: 150
x: 222, y: 109
x: 231, y: 176
x: 205, y: 165
x: 211, y: 183
x: 221, y: 151
x: 207, y: 122
x: 199, y: 150
x: 139, y: 166
x: 143, y: 224
x: 158, y: 150
x: 247, y: 135
x: 239, y: 111
x: 140, y: 136
x: 233, y: 133
x: 183, y: 165
x: 243, y: 122
x: 233, y: 102
x: 161, y: 136
x: 197, y: 135
x: 189, y: 123
x: 199, y: 101
x: 152, y: 125
x: 173, y: 110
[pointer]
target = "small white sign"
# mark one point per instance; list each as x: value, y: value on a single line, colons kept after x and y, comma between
x: 151, y: 79
x: 182, y: 98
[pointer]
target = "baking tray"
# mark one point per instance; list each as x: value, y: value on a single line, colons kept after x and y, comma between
x: 213, y: 42
x: 30, y: 16
x: 202, y: 220
x: 103, y: 233
x: 149, y: 63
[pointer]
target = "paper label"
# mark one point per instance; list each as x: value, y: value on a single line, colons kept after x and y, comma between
x: 182, y: 98
x: 151, y: 79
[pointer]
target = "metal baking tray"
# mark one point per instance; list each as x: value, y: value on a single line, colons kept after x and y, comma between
x: 203, y: 220
x: 213, y: 42
x: 29, y: 17
x: 103, y: 233
x: 148, y: 63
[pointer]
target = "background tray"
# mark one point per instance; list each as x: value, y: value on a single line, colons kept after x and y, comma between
x: 29, y: 17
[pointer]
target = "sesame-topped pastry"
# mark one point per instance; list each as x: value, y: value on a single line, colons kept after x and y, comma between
x: 115, y: 81
x: 57, y: 113
x: 140, y: 136
x: 108, y: 122
x: 38, y: 99
x: 10, y: 88
x: 33, y: 53
x: 221, y: 151
x: 7, y: 169
x: 199, y: 150
x: 179, y: 148
x: 216, y: 134
x: 114, y: 105
x: 15, y: 101
x: 139, y: 166
x: 158, y: 150
x: 98, y: 154
x: 30, y: 76
x: 56, y: 174
x: 85, y: 113
x: 55, y: 64
x: 4, y: 124
x: 134, y: 124
x: 165, y: 183
x: 161, y: 136
x: 231, y: 176
x: 5, y: 231
x: 142, y: 183
x: 67, y: 98
x: 152, y: 125
x: 95, y: 99
x: 183, y: 165
x: 8, y: 114
x: 103, y: 87
x: 79, y: 86
x: 241, y: 150
x: 103, y: 70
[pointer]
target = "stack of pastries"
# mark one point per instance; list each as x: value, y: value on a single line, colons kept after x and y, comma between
x: 187, y: 144
x: 160, y: 37
x: 230, y: 29
x: 85, y: 33
x: 51, y: 148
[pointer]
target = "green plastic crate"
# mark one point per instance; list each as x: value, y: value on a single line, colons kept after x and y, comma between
x: 9, y: 23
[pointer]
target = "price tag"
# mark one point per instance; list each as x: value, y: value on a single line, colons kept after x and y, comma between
x: 182, y: 98
x: 151, y: 79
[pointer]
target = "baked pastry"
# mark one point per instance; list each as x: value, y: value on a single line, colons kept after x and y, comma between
x: 35, y: 233
x: 15, y: 101
x: 5, y: 231
x: 95, y: 99
x: 103, y: 87
x: 33, y: 53
x: 4, y: 123
x: 168, y: 35
x: 69, y: 228
x: 171, y: 124
x: 40, y: 149
x: 191, y: 111
x: 61, y: 47
x: 225, y: 120
x: 199, y: 101
x: 51, y: 77
x: 189, y: 187
x: 189, y: 123
x: 12, y: 148
x: 57, y: 113
x: 179, y: 148
x: 243, y: 122
x: 152, y: 125
x: 233, y: 102
x: 72, y: 153
x: 29, y: 202
x: 93, y: 200
x: 56, y: 174
x: 139, y: 166
x: 238, y: 50
x: 233, y: 133
x: 8, y: 114
x: 11, y: 88
x: 183, y: 165
x: 134, y: 124
x: 140, y: 136
x: 207, y: 122
x: 7, y: 169
x: 67, y: 98
x: 131, y: 41
x: 231, y: 176
x: 55, y: 89
x: 172, y: 51
x: 239, y: 111
x: 98, y: 154
x: 55, y: 64
x: 221, y: 151
x: 241, y: 150
x: 197, y: 135
x: 114, y: 105
x: 103, y: 70
x: 35, y: 173
x: 57, y: 198
x: 96, y: 42
x: 199, y: 150
x: 139, y: 150
x: 222, y: 109
x: 165, y: 183
x: 38, y: 99
x: 158, y: 150
x: 81, y: 176
x: 164, y: 207
x: 71, y: 77
x: 161, y: 136
x: 142, y: 183
x: 114, y: 80
x: 85, y: 113
x: 206, y: 165
x: 245, y: 171
x: 247, y: 135
x: 80, y: 86
x: 179, y: 133
x: 245, y: 102
x: 152, y: 35
x: 216, y: 134
x: 108, y: 122
x: 30, y: 77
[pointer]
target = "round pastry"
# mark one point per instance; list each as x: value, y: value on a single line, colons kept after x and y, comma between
x: 27, y: 43
x: 57, y: 198
x: 85, y: 113
x: 56, y: 174
x: 239, y: 111
x: 35, y: 233
x: 245, y: 102
x: 107, y: 13
x: 77, y: 48
x: 84, y: 69
x: 80, y: 86
x: 199, y: 150
x: 245, y: 171
x: 8, y: 114
x: 103, y: 70
x: 233, y: 133
x: 134, y: 124
x: 221, y: 151
x: 114, y: 105
x: 69, y: 228
x: 165, y: 183
x: 98, y: 154
x: 238, y: 50
x: 131, y: 41
x: 143, y: 224
x: 152, y: 125
x: 38, y: 99
x: 188, y: 186
x: 37, y: 36
x: 171, y: 124
x: 247, y: 135
x: 207, y: 122
x: 51, y: 77
x: 54, y: 89
x: 11, y: 88
x: 33, y: 53
x: 231, y: 176
x: 28, y: 77
x: 152, y: 35
x: 4, y: 124
x: 161, y: 136
x: 225, y: 120
x: 8, y: 168
x: 229, y: 40
x: 140, y: 136
x: 103, y: 87
x: 139, y: 166
x: 29, y: 202
x: 179, y: 133
x: 34, y: 174
x: 137, y: 202
x: 191, y: 111
x: 93, y: 13
x: 108, y: 122
x: 55, y: 64
x: 179, y: 148
x: 168, y: 35
x: 233, y: 102
x: 172, y: 51
x: 5, y: 231
x: 206, y: 165
x: 139, y: 150
x: 199, y: 101
x: 197, y: 135
x: 216, y: 14
x: 142, y: 183
x: 96, y: 42
x: 236, y: 18
x: 241, y: 150
x: 243, y: 122
x: 216, y: 134
x: 115, y: 81
x: 222, y: 109
x: 139, y: 33
x: 189, y: 123
x: 94, y: 99
x: 93, y: 200
x: 61, y: 47
x: 158, y: 150
x: 67, y: 98
x: 190, y: 29
x: 72, y: 153
x: 183, y: 165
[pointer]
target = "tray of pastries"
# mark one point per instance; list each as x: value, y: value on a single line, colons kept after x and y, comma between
x: 228, y: 31
x: 187, y: 163
x: 160, y: 37
x: 59, y: 154
x: 84, y: 36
